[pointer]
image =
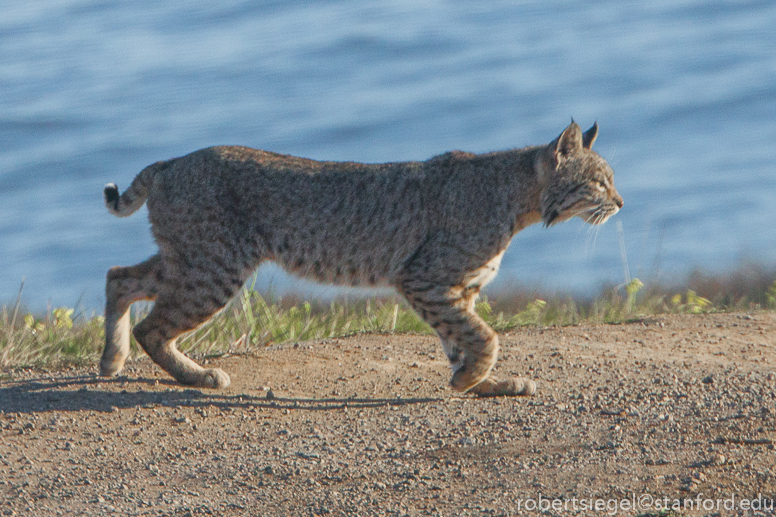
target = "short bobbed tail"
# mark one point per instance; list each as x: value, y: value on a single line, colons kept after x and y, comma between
x: 122, y: 205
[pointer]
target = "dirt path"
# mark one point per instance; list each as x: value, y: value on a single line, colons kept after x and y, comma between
x: 675, y: 410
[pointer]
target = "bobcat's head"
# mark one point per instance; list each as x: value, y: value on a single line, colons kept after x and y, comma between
x: 575, y: 180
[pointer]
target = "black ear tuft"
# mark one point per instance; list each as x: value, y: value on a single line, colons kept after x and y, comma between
x: 111, y: 193
x: 589, y: 136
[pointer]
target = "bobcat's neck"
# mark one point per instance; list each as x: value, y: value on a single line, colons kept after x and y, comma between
x: 529, y: 190
x: 517, y: 176
x: 485, y: 199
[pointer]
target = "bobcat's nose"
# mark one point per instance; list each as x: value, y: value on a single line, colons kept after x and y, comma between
x: 618, y: 201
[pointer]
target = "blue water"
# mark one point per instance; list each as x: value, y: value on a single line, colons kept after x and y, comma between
x: 684, y: 93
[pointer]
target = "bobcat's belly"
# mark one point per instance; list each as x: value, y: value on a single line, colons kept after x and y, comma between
x: 368, y: 257
x: 364, y: 271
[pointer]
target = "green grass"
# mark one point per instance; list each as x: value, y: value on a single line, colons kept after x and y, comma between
x: 60, y: 338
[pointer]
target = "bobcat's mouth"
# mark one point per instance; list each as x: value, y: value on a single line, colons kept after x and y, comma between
x: 591, y: 214
x: 599, y: 214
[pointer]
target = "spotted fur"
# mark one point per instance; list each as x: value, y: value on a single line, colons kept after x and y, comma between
x: 435, y: 231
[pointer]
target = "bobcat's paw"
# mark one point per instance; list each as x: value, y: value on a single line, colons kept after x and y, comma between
x: 515, y: 387
x: 110, y: 368
x: 469, y: 373
x: 214, y: 378
x: 464, y: 379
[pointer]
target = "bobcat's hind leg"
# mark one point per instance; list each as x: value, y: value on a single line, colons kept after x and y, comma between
x: 124, y: 286
x: 157, y: 334
x: 183, y: 306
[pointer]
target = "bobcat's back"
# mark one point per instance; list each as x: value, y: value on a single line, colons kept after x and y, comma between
x: 335, y: 222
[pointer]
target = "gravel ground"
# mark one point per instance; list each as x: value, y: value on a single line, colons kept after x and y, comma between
x: 675, y: 410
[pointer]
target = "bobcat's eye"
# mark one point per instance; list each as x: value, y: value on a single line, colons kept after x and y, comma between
x: 600, y: 186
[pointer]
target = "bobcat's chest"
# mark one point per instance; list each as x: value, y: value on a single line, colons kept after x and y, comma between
x: 482, y: 276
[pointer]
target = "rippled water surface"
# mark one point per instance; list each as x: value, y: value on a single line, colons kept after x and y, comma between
x: 684, y: 92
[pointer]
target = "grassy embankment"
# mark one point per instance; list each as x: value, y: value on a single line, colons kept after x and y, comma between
x: 61, y: 337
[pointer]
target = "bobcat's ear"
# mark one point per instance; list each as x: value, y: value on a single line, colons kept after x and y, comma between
x: 569, y: 141
x: 590, y: 135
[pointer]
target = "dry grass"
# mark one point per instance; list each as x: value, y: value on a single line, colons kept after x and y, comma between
x: 251, y: 321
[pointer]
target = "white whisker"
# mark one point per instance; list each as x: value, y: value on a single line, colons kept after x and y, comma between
x: 592, y: 236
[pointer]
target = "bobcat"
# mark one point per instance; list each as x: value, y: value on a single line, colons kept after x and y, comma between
x: 435, y: 231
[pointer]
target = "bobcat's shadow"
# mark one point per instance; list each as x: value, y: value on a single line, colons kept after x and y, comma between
x: 87, y: 393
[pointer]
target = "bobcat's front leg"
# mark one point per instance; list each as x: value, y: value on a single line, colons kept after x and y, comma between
x: 469, y: 343
x: 515, y: 387
x: 442, y: 281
